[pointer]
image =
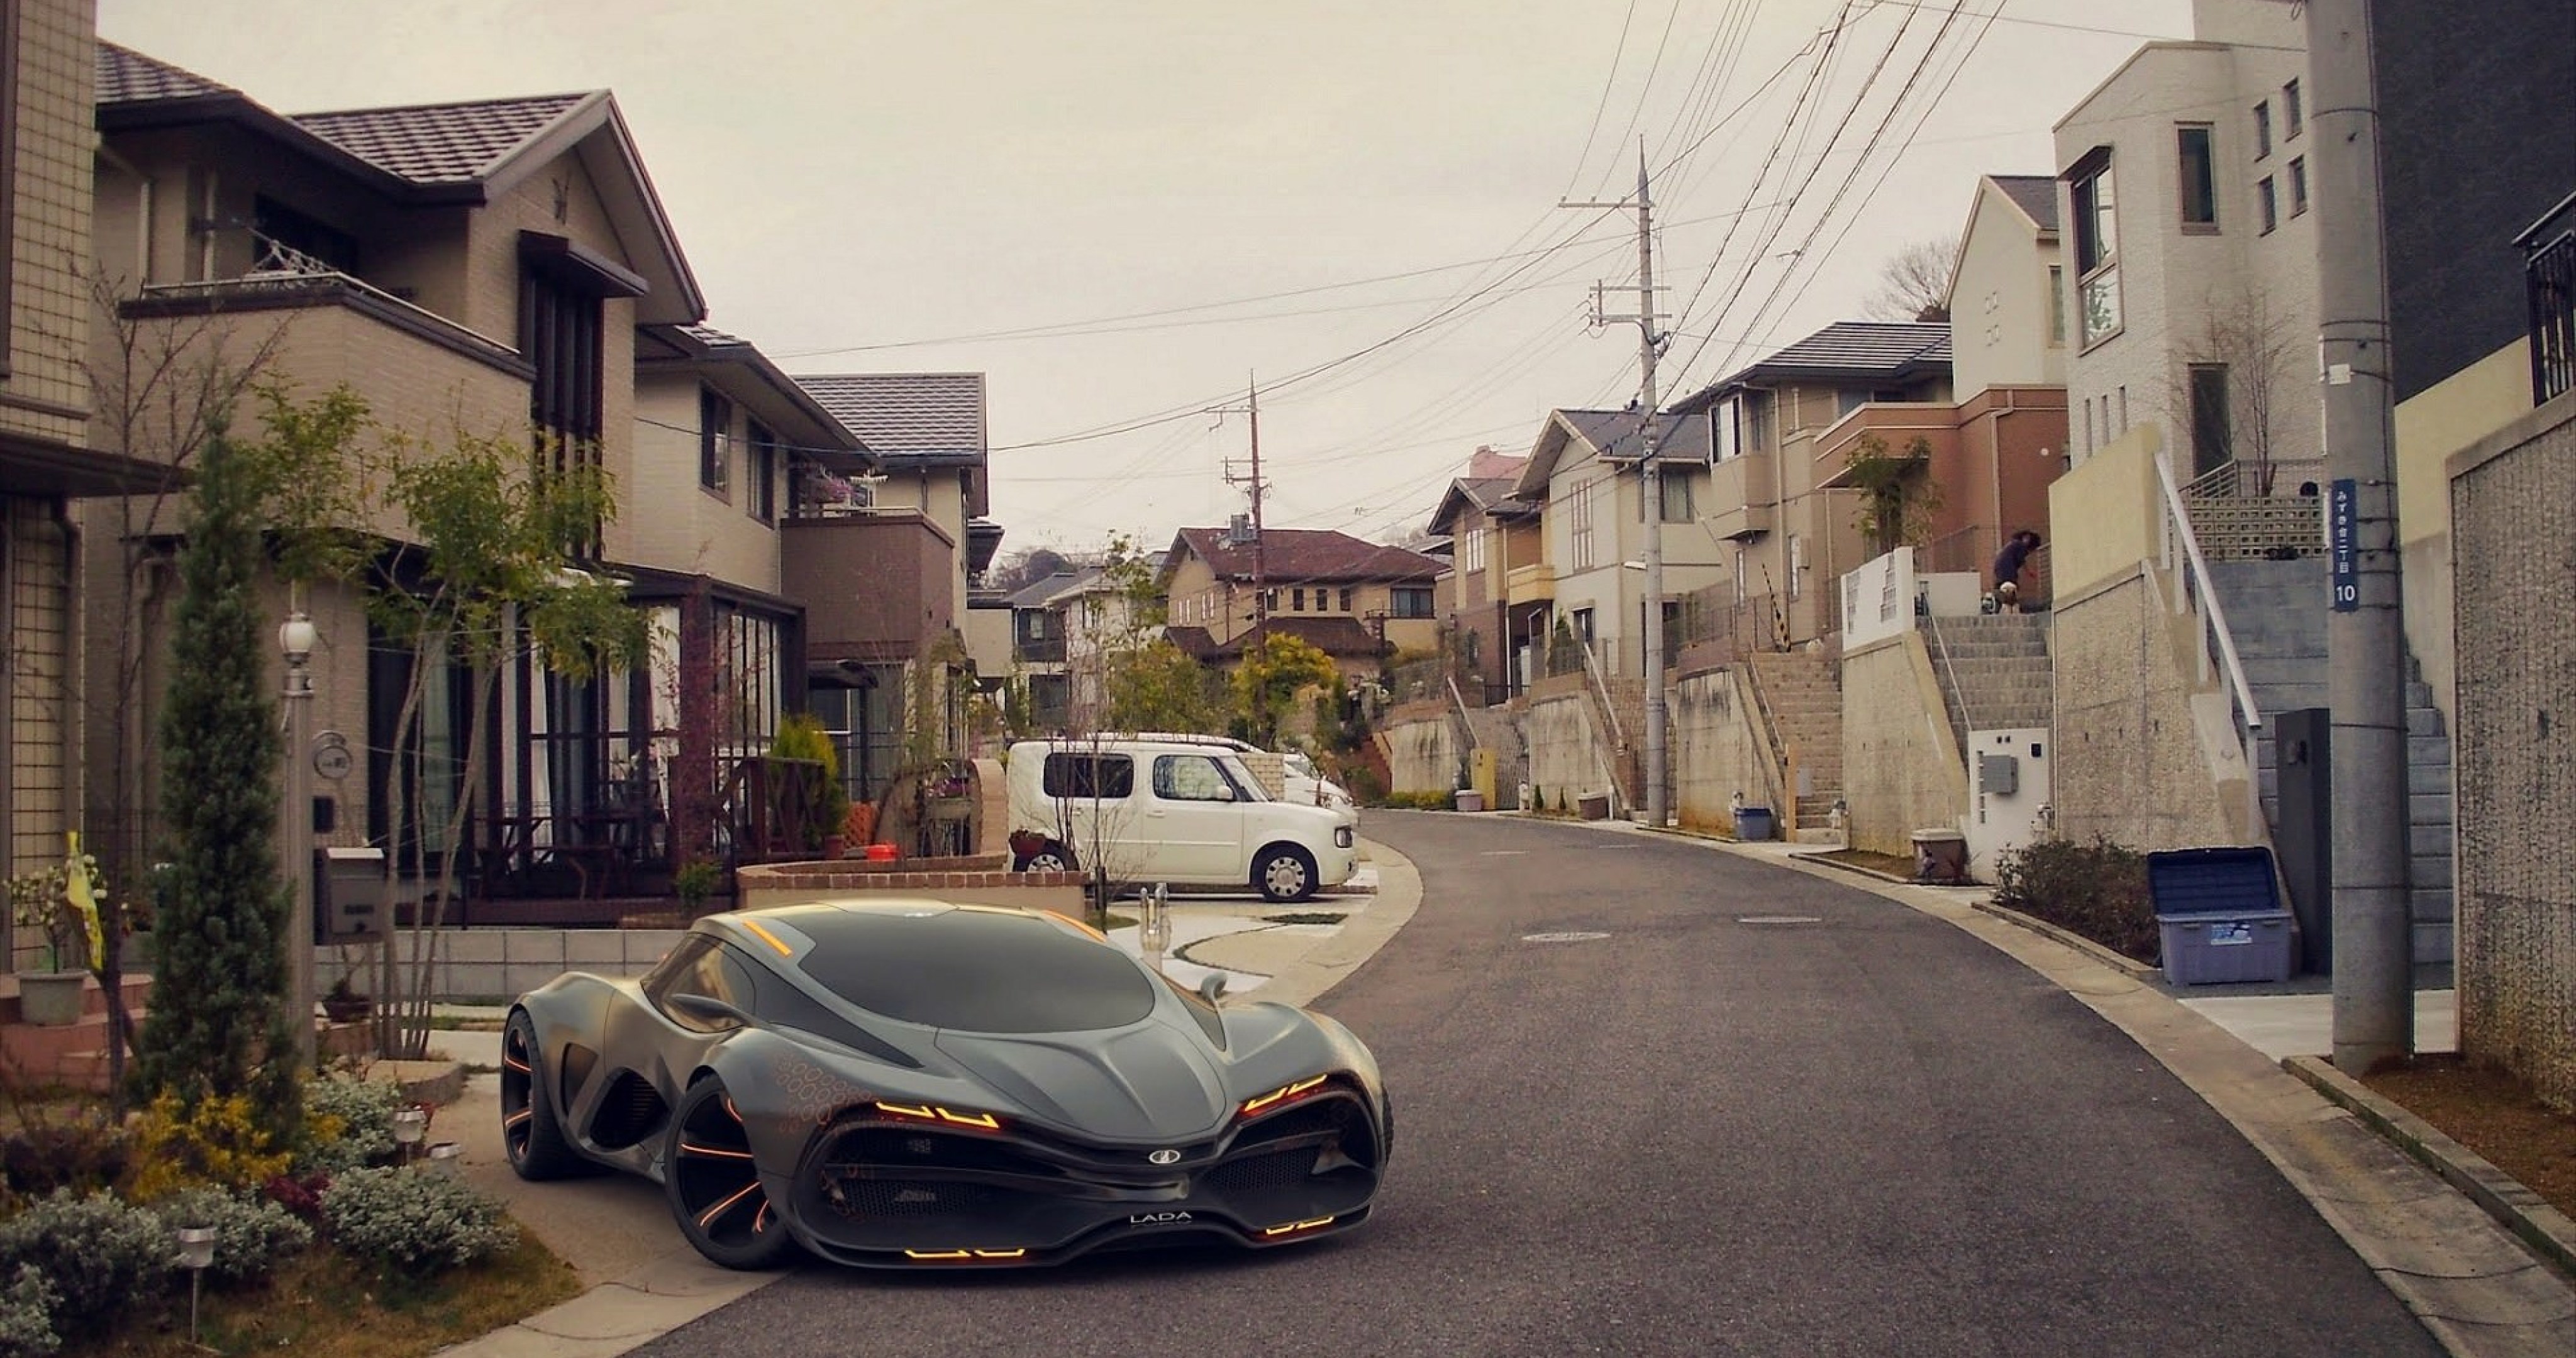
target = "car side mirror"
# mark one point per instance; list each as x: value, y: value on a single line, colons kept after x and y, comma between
x: 1212, y: 988
x: 713, y: 1010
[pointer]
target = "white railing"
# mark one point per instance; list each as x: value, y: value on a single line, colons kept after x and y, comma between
x: 1618, y: 737
x: 2194, y: 592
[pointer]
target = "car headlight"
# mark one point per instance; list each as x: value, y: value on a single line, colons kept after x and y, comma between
x: 1288, y: 1093
x: 1342, y: 837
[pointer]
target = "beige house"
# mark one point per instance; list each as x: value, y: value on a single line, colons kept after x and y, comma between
x: 1495, y: 539
x: 47, y: 456
x: 1582, y: 473
x: 1358, y: 602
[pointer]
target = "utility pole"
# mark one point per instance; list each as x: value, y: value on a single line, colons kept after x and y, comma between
x: 2374, y: 953
x: 1651, y: 488
x: 1260, y: 540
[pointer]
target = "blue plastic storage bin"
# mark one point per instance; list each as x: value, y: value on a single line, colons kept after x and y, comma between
x: 1753, y: 822
x: 2219, y: 915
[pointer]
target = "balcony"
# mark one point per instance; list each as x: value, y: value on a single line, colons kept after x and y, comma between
x: 875, y: 586
x: 1038, y: 650
x: 2549, y: 272
x: 1742, y: 491
x: 1898, y: 424
x: 1531, y: 584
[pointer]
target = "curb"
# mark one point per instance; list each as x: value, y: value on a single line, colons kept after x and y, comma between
x: 1399, y: 894
x: 2116, y: 961
x: 2548, y: 1231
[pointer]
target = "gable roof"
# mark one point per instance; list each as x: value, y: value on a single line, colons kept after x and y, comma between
x: 736, y: 367
x: 466, y: 152
x: 908, y: 417
x: 1859, y: 351
x: 2034, y: 194
x: 1490, y: 495
x: 1612, y: 435
x: 1295, y: 555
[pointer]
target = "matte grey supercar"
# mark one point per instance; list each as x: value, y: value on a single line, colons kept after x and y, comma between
x: 916, y: 1083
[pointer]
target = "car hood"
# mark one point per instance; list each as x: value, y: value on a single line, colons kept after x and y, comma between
x: 1148, y: 1082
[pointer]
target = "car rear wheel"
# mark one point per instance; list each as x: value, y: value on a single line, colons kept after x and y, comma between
x: 714, y: 1184
x: 1284, y: 873
x: 1052, y: 858
x: 532, y: 1138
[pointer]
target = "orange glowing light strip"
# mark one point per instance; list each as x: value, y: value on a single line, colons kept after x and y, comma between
x: 933, y: 1113
x: 921, y: 1111
x: 1282, y: 1092
x: 1296, y: 1226
x: 1001, y: 1254
x: 984, y: 1120
x: 768, y: 937
x: 955, y: 1255
x: 692, y: 1148
x: 725, y: 1206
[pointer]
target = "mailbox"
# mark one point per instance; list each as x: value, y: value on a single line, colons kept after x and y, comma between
x: 349, y: 896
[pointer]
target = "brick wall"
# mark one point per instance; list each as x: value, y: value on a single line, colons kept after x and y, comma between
x: 2516, y: 969
x: 49, y: 302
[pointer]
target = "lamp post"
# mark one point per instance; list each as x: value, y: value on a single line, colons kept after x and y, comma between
x: 196, y: 1252
x: 296, y: 638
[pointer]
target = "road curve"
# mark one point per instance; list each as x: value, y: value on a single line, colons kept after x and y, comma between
x: 1759, y: 1113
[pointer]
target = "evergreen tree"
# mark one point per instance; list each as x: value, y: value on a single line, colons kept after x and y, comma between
x: 218, y: 1022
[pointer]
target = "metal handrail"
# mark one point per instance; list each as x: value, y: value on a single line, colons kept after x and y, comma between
x: 2213, y: 614
x: 1967, y: 719
x: 1618, y: 737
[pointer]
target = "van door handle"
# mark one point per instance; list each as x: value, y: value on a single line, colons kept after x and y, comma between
x: 1155, y: 815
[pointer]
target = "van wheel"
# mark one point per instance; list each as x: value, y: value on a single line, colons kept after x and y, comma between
x: 1053, y: 857
x: 1284, y: 873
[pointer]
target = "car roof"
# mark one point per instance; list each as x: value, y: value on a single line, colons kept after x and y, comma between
x: 949, y: 964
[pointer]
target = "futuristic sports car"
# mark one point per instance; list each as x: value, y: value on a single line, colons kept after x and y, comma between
x: 915, y: 1083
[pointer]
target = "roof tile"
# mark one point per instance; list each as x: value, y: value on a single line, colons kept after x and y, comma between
x: 126, y: 76
x: 907, y: 414
x: 442, y: 143
x: 1291, y: 555
x: 2035, y: 194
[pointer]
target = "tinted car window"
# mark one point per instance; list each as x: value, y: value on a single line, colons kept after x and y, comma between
x: 1110, y: 777
x: 981, y: 971
x: 701, y: 966
x: 1190, y: 778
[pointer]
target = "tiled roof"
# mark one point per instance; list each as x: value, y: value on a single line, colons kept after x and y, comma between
x: 1042, y: 592
x: 1198, y: 643
x: 1293, y: 555
x: 709, y: 336
x: 1338, y: 636
x: 2035, y: 194
x: 907, y: 414
x: 126, y: 76
x: 1860, y: 350
x: 442, y: 143
x: 1614, y: 432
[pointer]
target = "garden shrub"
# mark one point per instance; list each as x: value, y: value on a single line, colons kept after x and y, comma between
x: 98, y: 1254
x: 2098, y: 890
x: 349, y: 1124
x: 27, y: 1315
x: 251, y: 1233
x: 82, y: 1155
x: 222, y: 1140
x: 415, y: 1221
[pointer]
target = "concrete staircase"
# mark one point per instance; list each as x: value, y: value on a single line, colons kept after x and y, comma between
x: 1802, y: 700
x: 73, y: 1056
x: 2276, y: 613
x: 1993, y: 670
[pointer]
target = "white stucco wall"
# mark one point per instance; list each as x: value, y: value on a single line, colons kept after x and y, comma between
x: 1999, y: 301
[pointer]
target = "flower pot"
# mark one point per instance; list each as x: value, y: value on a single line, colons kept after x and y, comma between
x: 51, y: 999
x: 835, y: 847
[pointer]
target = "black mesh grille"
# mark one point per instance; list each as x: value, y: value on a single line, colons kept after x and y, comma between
x: 1255, y: 1173
x: 925, y: 1149
x: 863, y: 1199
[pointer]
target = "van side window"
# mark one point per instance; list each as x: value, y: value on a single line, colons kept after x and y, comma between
x: 1191, y: 778
x: 1108, y: 777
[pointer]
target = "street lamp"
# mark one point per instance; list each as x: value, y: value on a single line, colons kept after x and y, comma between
x: 296, y: 638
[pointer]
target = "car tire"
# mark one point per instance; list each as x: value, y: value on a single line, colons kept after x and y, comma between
x: 1284, y: 873
x: 714, y: 1185
x: 1052, y: 858
x: 532, y: 1136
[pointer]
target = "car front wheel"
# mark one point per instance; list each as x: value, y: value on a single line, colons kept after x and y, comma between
x: 532, y: 1137
x: 714, y: 1184
x: 1284, y: 873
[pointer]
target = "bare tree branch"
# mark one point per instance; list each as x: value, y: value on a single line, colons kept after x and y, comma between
x: 1914, y: 283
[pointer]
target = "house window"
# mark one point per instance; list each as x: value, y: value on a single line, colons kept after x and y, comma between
x: 763, y: 474
x: 288, y: 240
x: 2209, y: 431
x: 1471, y: 552
x: 2262, y: 130
x: 2267, y: 204
x: 2097, y: 253
x: 1677, y: 497
x: 2293, y: 114
x: 1726, y: 430
x: 2298, y: 185
x: 2199, y: 177
x: 1346, y: 598
x: 1757, y: 421
x: 715, y: 441
x: 1297, y: 600
x: 1412, y: 601
x: 1797, y: 566
x: 1579, y: 528
x: 2056, y: 304
x: 1849, y: 399
x: 560, y: 328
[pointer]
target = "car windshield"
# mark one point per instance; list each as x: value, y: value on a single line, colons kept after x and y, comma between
x: 1249, y: 786
x: 972, y: 968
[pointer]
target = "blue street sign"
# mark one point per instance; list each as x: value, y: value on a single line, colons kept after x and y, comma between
x: 2343, y: 549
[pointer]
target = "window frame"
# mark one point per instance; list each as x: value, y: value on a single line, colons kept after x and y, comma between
x: 1668, y: 483
x: 2211, y: 418
x: 2200, y: 179
x: 2294, y: 114
x: 2262, y: 128
x: 715, y: 443
x: 760, y: 472
x: 2093, y: 194
x: 2298, y: 186
x: 1398, y: 594
x: 2267, y: 206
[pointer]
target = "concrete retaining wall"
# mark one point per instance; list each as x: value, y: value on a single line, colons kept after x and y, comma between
x: 2148, y: 761
x: 1718, y: 750
x: 1422, y: 752
x: 496, y: 964
x: 1901, y: 766
x: 1566, y: 761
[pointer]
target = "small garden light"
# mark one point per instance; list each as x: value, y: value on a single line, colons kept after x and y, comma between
x: 447, y: 1157
x: 196, y: 1252
x: 410, y: 1124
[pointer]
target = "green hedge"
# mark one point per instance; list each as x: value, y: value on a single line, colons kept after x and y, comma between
x: 2098, y: 890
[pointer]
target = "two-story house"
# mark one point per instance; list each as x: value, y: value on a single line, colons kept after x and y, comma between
x: 48, y: 456
x: 2008, y: 375
x: 1493, y: 537
x: 1358, y: 602
x: 1583, y: 474
x: 1780, y: 493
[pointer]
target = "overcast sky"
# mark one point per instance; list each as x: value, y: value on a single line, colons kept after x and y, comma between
x: 1183, y: 196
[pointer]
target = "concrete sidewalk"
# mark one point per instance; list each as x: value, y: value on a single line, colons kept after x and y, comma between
x: 643, y: 1281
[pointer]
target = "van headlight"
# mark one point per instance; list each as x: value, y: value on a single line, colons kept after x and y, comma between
x: 1342, y: 837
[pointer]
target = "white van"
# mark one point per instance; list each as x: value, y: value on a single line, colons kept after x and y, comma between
x: 1183, y: 812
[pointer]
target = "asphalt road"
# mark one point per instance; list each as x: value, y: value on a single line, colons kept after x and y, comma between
x: 1700, y: 1134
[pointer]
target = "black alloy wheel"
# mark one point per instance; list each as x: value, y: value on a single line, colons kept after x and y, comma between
x: 714, y: 1184
x: 532, y: 1137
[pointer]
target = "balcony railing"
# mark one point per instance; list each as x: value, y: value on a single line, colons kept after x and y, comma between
x: 1038, y: 650
x: 2549, y: 274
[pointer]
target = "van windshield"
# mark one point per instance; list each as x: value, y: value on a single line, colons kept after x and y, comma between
x: 1243, y: 780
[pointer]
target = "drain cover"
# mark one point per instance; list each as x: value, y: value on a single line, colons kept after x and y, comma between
x: 1779, y: 919
x: 1574, y: 936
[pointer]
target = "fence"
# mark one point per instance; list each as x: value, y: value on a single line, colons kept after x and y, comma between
x: 2549, y: 274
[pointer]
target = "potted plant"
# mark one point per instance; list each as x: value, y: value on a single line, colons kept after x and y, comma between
x: 695, y: 881
x: 802, y: 740
x: 60, y: 901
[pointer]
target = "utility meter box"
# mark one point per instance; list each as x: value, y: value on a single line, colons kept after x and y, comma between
x: 1998, y: 775
x: 349, y: 896
x: 2008, y: 794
